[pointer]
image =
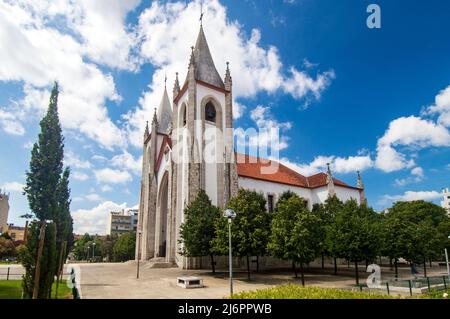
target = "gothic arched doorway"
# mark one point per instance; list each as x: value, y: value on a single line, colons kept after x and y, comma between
x: 162, y: 204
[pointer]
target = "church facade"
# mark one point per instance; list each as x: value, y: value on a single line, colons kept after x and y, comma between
x: 189, y: 146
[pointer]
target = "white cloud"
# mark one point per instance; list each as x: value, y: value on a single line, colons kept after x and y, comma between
x: 340, y: 165
x: 441, y: 107
x: 301, y: 84
x: 93, y: 197
x: 10, y: 124
x: 254, y: 68
x: 412, y: 132
x: 79, y: 176
x: 12, y: 187
x: 417, y: 175
x: 43, y: 54
x: 410, y: 196
x: 269, y: 134
x: 72, y: 160
x: 106, y: 188
x: 111, y: 176
x: 99, y: 158
x: 94, y: 220
x: 126, y: 161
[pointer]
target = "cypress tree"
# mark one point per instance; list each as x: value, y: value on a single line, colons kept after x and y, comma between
x: 49, y: 199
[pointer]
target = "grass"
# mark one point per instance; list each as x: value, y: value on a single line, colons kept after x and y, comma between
x: 292, y: 291
x: 12, y: 289
x: 4, y: 262
x: 436, y: 294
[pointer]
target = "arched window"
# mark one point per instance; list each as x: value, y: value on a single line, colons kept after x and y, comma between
x: 210, y: 112
x: 184, y: 115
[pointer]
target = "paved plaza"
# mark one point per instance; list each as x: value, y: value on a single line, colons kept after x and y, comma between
x: 118, y: 280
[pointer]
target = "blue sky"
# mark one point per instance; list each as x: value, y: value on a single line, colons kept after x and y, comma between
x: 377, y: 100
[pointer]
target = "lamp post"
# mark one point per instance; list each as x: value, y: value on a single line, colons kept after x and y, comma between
x: 446, y: 262
x: 230, y: 214
x: 93, y: 252
x: 139, y: 252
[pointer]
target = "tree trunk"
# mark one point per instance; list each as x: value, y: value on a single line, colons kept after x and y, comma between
x: 390, y: 263
x: 257, y: 263
x: 396, y: 269
x: 213, y: 266
x: 248, y: 267
x: 367, y: 263
x: 425, y: 268
x: 431, y: 263
x: 294, y: 269
x: 356, y: 273
x: 335, y: 266
x: 323, y: 259
x: 348, y: 263
x: 303, y: 275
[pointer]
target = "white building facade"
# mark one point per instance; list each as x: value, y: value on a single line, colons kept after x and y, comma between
x: 189, y: 146
x: 445, y: 203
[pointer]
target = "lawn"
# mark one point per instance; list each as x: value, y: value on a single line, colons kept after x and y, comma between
x: 292, y: 291
x: 12, y: 289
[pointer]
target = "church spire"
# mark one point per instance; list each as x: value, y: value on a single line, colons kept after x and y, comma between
x: 176, y: 86
x: 360, y: 184
x: 164, y: 114
x: 330, y: 182
x: 146, y: 132
x: 227, y: 80
x: 201, y: 59
x: 362, y: 194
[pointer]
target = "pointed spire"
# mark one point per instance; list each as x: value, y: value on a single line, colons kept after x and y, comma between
x: 360, y: 184
x: 164, y: 112
x: 330, y: 181
x: 192, y: 58
x: 176, y: 86
x: 146, y: 132
x: 155, y: 119
x: 227, y: 79
x: 362, y: 195
x: 201, y: 58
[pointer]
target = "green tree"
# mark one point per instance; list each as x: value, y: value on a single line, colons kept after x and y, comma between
x: 353, y: 234
x: 124, y: 248
x: 295, y: 233
x: 250, y: 229
x: 44, y: 193
x: 48, y: 261
x: 80, y: 247
x: 416, y: 231
x: 327, y: 213
x: 198, y: 230
x: 63, y: 220
x: 7, y: 247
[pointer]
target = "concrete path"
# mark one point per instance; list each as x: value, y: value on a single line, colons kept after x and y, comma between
x: 118, y: 280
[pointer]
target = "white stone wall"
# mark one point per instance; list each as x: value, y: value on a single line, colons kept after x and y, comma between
x: 313, y: 196
x: 276, y: 189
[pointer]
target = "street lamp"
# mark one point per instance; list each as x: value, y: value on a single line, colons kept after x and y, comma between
x: 230, y: 214
x: 139, y: 252
x: 446, y: 262
x: 93, y: 252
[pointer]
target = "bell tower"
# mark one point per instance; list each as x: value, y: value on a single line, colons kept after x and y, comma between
x: 204, y: 122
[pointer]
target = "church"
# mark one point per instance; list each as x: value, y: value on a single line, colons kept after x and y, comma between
x: 181, y: 156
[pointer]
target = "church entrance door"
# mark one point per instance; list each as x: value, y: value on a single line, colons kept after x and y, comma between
x: 163, y: 199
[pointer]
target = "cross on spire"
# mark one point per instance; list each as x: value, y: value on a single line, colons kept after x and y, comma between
x: 201, y: 13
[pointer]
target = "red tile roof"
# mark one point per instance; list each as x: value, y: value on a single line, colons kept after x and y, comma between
x: 253, y: 167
